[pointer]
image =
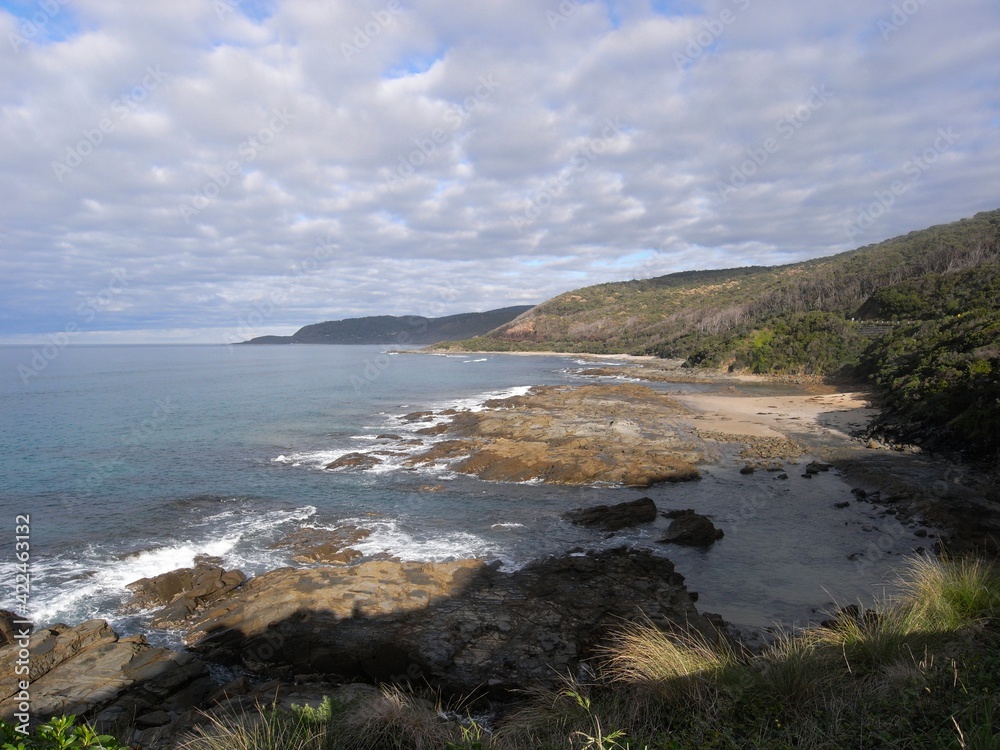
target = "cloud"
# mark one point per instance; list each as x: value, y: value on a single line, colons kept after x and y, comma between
x: 327, y: 160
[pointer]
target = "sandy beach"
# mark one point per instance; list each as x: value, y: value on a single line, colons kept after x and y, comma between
x: 806, y: 419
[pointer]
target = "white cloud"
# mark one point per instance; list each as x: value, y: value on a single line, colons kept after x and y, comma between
x: 434, y: 146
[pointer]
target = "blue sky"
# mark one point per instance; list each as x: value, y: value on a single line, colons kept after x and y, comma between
x: 198, y: 170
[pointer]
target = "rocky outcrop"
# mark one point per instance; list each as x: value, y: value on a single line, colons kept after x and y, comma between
x: 8, y: 629
x: 113, y: 682
x: 614, y: 517
x: 326, y: 546
x: 181, y: 592
x: 459, y: 625
x: 691, y: 529
x: 616, y: 434
x: 355, y: 461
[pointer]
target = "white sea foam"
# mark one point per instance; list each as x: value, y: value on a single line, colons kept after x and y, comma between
x: 92, y: 584
x: 391, y: 538
x: 397, y: 424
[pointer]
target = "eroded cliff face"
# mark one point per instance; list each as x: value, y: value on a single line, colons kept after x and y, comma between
x: 616, y: 434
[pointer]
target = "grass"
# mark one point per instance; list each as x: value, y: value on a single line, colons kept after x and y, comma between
x: 918, y: 671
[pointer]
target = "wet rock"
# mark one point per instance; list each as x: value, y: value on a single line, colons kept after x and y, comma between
x: 449, y: 624
x: 438, y: 429
x: 859, y: 493
x: 328, y: 546
x: 782, y: 475
x: 842, y: 505
x: 181, y: 592
x: 922, y: 533
x: 614, y: 517
x: 747, y: 469
x: 8, y: 630
x: 815, y: 467
x: 418, y: 416
x: 388, y: 436
x: 677, y: 513
x: 693, y: 530
x: 355, y: 461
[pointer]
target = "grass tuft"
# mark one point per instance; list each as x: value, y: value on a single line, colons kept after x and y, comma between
x: 946, y: 595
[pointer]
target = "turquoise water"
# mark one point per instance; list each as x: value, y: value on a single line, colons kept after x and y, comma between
x: 132, y: 461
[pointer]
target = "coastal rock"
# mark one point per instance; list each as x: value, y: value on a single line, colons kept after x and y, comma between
x: 326, y: 546
x: 691, y: 529
x: 456, y: 625
x: 616, y: 434
x: 181, y: 592
x: 7, y: 627
x: 89, y: 671
x: 355, y: 461
x: 418, y: 416
x: 614, y: 517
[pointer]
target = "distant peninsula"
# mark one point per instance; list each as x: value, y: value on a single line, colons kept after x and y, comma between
x: 392, y: 329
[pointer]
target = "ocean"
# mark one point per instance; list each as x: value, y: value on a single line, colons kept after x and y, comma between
x: 134, y: 460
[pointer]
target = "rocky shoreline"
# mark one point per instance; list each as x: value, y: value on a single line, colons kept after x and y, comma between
x: 466, y: 627
x: 462, y: 628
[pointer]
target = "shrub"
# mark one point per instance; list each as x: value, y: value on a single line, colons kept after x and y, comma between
x: 59, y: 733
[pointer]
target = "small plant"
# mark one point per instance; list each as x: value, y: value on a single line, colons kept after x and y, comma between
x: 59, y: 733
x: 267, y: 729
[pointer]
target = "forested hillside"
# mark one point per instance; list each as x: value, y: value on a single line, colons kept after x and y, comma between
x: 918, y: 315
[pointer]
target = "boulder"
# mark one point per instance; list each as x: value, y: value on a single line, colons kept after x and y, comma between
x: 327, y: 546
x: 459, y: 626
x: 691, y: 529
x: 614, y: 517
x: 355, y: 461
x: 181, y: 592
x: 8, y: 629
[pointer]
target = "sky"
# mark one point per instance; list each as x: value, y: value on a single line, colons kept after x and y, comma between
x: 206, y: 171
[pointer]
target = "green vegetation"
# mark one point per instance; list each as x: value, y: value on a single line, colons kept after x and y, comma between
x: 939, y: 377
x: 60, y: 733
x: 918, y: 316
x: 918, y: 671
x: 391, y: 719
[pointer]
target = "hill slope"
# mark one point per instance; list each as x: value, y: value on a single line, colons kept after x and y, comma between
x: 390, y: 329
x: 683, y: 314
x: 918, y: 315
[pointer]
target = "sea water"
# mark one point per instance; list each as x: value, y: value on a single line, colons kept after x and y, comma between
x: 134, y: 461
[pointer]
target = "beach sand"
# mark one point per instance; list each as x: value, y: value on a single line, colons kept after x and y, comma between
x: 808, y: 419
